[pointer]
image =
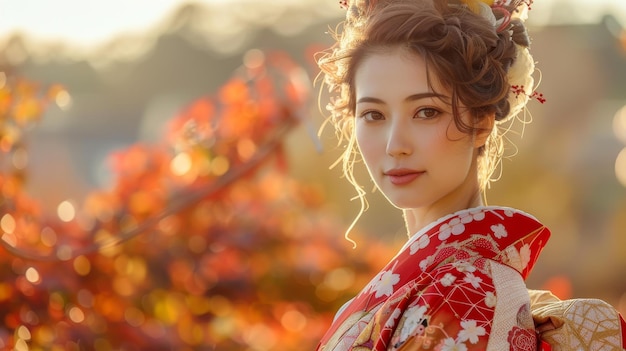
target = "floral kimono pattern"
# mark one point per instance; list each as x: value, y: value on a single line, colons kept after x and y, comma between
x: 458, y: 284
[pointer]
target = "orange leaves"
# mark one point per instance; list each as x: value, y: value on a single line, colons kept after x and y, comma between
x: 101, y: 205
x: 267, y: 96
x: 29, y: 109
x: 141, y: 185
x: 6, y: 100
x: 227, y: 252
x: 234, y: 92
x: 22, y: 102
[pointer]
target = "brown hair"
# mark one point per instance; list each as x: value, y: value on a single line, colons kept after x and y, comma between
x: 462, y: 50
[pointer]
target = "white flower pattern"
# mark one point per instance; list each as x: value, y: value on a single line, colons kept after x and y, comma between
x: 475, y: 214
x: 472, y: 279
x: 518, y: 259
x: 449, y: 344
x: 499, y: 231
x: 392, y: 319
x: 454, y: 227
x: 426, y: 262
x: 413, y: 321
x: 464, y: 266
x: 447, y: 279
x: 490, y: 299
x: 463, y: 282
x: 384, y: 285
x: 524, y: 253
x: 471, y: 331
x: 420, y: 243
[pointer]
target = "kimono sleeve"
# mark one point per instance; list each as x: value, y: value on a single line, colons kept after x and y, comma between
x: 577, y: 324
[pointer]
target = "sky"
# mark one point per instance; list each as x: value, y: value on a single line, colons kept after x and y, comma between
x: 88, y: 22
x: 82, y: 21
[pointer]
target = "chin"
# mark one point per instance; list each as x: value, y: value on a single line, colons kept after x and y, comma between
x: 404, y: 204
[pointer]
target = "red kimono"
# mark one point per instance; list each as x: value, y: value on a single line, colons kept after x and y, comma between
x: 458, y: 284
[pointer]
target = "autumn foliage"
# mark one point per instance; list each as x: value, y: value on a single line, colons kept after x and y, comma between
x: 204, y: 242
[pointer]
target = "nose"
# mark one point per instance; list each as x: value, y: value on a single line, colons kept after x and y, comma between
x: 399, y: 139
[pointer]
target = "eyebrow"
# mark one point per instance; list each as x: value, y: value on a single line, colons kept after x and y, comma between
x: 413, y: 97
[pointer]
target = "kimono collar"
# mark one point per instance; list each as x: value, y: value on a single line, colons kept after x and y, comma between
x: 506, y: 235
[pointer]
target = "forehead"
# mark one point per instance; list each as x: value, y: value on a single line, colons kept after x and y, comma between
x: 393, y: 71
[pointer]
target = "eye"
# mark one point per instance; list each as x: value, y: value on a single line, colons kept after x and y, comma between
x: 427, y: 113
x: 372, y: 116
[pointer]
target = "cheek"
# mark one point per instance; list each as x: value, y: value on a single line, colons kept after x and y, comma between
x: 452, y: 149
x: 371, y: 147
x: 453, y: 132
x: 460, y: 141
x: 365, y: 141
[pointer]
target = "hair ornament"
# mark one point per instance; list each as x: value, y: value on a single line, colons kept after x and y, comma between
x: 356, y: 9
x: 477, y: 6
x: 519, y: 90
x: 502, y: 23
x: 501, y: 9
x: 520, y: 74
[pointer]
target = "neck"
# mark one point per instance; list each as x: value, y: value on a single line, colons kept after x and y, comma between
x: 417, y: 218
x: 469, y: 194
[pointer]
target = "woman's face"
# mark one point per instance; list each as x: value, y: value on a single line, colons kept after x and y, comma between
x: 406, y: 134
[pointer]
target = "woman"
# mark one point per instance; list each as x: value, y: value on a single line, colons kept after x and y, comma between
x: 423, y: 89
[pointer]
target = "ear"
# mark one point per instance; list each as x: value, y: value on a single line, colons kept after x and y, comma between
x: 483, y: 126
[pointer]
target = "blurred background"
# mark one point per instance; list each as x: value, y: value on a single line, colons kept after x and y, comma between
x: 128, y: 69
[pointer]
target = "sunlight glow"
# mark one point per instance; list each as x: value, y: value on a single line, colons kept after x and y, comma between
x: 620, y: 167
x: 23, y: 333
x: 619, y: 124
x: 20, y: 158
x: 48, y: 237
x: 82, y: 266
x: 32, y: 275
x: 219, y: 165
x: 63, y: 99
x: 88, y: 22
x: 76, y: 315
x: 7, y: 224
x: 181, y: 164
x: 66, y: 211
x: 293, y: 321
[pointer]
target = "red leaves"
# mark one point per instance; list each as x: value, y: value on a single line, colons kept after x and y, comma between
x: 226, y: 251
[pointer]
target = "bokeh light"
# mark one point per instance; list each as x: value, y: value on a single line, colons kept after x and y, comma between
x: 32, y: 275
x: 7, y: 223
x: 66, y: 211
x: 20, y: 158
x: 619, y: 129
x: 620, y: 167
x: 181, y: 164
x: 63, y: 99
x: 619, y: 124
x: 219, y: 165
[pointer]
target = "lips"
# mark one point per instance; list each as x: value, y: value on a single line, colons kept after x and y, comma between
x: 402, y: 176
